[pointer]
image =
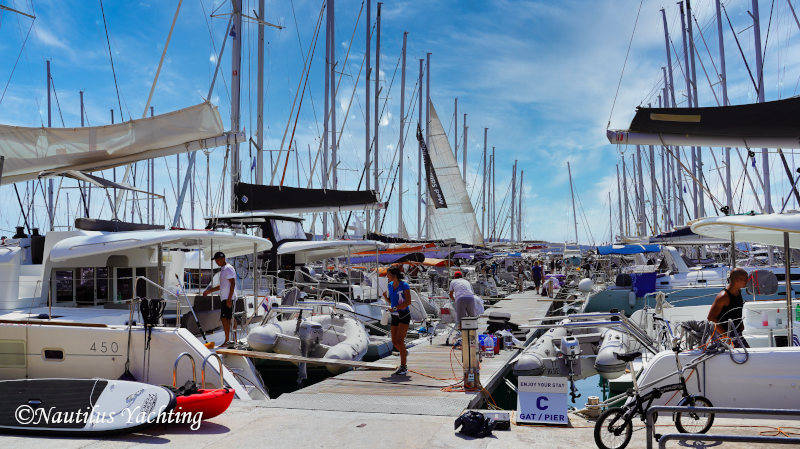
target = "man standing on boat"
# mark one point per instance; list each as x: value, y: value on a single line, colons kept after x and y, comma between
x: 227, y: 292
x: 728, y: 305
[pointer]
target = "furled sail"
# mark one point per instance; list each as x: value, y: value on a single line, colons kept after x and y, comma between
x: 456, y: 220
x: 32, y: 152
x: 774, y: 124
x: 289, y: 200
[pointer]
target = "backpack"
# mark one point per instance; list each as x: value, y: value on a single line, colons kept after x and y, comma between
x: 474, y: 424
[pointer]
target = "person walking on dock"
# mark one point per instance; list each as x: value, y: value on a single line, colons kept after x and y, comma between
x: 398, y: 295
x: 227, y: 292
x: 536, y: 272
x: 462, y: 296
x: 728, y: 305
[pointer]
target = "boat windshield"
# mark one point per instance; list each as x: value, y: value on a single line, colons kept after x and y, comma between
x: 288, y: 230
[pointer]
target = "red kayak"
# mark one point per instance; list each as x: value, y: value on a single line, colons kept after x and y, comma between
x: 208, y: 402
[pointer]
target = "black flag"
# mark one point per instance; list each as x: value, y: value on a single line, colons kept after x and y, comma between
x: 434, y: 188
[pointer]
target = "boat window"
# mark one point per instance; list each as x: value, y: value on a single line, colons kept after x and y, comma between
x: 65, y: 283
x: 124, y: 284
x: 287, y: 229
x: 53, y: 354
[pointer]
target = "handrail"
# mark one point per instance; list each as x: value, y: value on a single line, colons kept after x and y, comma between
x: 203, y: 370
x: 650, y: 425
x: 175, y: 368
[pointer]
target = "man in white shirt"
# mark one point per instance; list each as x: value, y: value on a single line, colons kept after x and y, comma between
x: 227, y: 292
x: 463, y: 297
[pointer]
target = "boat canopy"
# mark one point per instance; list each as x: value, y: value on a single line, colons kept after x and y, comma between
x: 627, y: 249
x: 309, y: 251
x: 767, y: 229
x: 92, y: 243
x: 773, y: 124
x: 33, y: 152
x: 283, y: 199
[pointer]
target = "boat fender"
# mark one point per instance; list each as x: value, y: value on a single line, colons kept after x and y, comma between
x: 631, y: 299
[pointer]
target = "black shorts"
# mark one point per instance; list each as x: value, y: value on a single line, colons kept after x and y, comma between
x: 226, y: 312
x: 403, y: 316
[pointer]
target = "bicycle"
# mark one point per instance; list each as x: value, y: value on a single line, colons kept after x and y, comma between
x: 614, y: 427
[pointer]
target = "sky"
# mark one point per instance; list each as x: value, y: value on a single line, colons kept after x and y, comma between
x: 540, y: 76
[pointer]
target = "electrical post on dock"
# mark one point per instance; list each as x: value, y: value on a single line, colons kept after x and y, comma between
x: 469, y: 353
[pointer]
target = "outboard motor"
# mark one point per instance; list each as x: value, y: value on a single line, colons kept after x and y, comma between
x: 571, y: 350
x: 310, y: 334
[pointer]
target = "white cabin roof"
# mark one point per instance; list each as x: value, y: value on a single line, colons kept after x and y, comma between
x: 767, y: 229
x: 314, y: 250
x: 91, y: 243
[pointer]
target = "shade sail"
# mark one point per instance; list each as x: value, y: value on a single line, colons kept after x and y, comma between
x: 31, y: 152
x: 627, y: 249
x: 767, y: 229
x: 773, y: 124
x: 254, y: 197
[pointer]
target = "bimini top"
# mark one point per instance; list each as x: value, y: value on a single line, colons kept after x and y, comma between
x: 767, y: 229
x: 248, y: 218
x: 773, y: 124
x: 91, y: 243
x: 314, y: 250
x: 627, y: 249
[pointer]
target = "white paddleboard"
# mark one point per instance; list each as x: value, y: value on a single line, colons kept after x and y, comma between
x: 81, y: 405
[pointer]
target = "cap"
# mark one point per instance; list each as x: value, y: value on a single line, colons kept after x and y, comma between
x: 457, y: 274
x: 218, y: 255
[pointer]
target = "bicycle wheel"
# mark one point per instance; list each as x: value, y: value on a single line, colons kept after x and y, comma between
x: 693, y: 422
x: 613, y: 429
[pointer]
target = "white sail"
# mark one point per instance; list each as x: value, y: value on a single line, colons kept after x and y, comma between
x: 457, y: 220
x: 31, y: 152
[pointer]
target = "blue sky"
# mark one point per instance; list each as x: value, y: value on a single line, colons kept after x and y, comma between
x: 541, y: 75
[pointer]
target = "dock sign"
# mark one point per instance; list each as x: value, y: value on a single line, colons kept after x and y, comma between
x: 542, y: 399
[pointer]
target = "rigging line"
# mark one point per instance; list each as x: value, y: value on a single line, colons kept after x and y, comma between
x: 58, y: 104
x: 306, y: 68
x: 111, y: 58
x: 739, y: 46
x: 794, y: 14
x: 338, y: 83
x: 160, y: 63
x: 625, y: 63
x: 766, y: 40
x: 214, y: 47
x: 300, y: 44
x: 14, y: 67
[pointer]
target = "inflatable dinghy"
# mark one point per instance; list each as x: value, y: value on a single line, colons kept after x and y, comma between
x: 80, y: 406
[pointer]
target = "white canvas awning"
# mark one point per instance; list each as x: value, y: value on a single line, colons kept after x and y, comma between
x: 314, y: 250
x: 92, y: 243
x: 767, y: 229
x: 32, y: 152
x: 636, y: 138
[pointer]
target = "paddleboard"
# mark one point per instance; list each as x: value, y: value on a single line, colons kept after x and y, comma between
x: 81, y: 406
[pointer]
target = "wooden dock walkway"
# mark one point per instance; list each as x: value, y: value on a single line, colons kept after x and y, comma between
x: 433, y: 366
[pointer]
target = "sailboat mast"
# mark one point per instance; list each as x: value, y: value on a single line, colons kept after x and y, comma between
x: 427, y: 131
x: 376, y: 105
x: 625, y: 192
x: 619, y: 205
x: 464, y: 150
x: 690, y: 102
x: 367, y: 138
x: 519, y: 207
x: 483, y: 185
x: 325, y: 113
x: 419, y: 155
x: 511, y: 222
x: 50, y: 209
x: 334, y: 146
x: 455, y: 129
x: 493, y: 215
x: 760, y: 79
x: 641, y: 211
x: 401, y: 143
x: 260, y: 99
x: 572, y: 194
x: 723, y: 80
x: 697, y: 150
x: 236, y: 65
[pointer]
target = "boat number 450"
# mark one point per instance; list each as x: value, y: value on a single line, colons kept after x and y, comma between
x: 104, y: 347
